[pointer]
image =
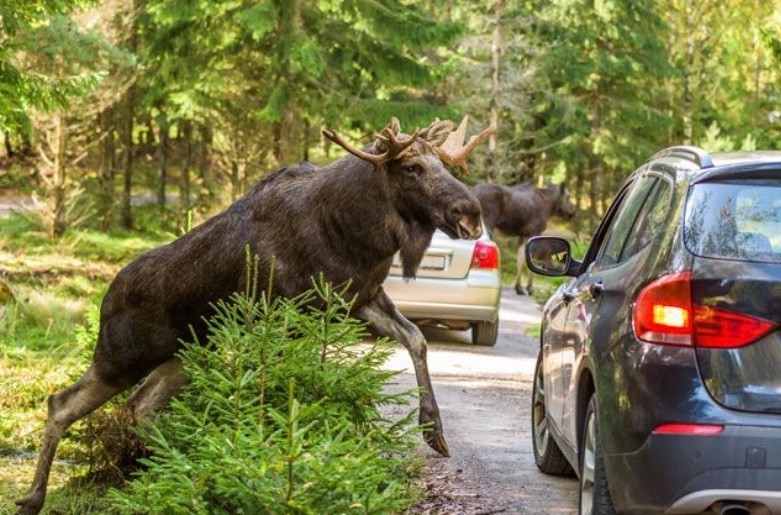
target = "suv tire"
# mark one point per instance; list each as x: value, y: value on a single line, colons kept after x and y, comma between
x: 547, y: 454
x: 594, y: 494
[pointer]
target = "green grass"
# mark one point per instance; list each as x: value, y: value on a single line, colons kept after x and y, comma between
x: 57, y: 286
x: 55, y: 281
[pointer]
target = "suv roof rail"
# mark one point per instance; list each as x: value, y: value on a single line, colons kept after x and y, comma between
x: 696, y: 155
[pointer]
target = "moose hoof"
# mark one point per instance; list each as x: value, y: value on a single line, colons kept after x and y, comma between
x: 437, y: 442
x: 521, y: 291
x: 30, y: 505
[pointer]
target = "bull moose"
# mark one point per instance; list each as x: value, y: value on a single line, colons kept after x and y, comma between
x: 522, y: 211
x: 345, y: 220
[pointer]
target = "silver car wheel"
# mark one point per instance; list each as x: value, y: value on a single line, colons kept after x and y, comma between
x: 589, y: 463
x: 541, y: 433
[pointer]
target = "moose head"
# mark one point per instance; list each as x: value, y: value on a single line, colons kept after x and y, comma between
x: 413, y: 167
x: 560, y: 200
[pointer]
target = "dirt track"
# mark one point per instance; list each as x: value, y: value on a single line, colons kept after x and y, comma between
x: 484, y: 396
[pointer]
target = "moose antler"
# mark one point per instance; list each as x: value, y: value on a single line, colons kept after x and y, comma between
x: 454, y: 152
x: 394, y: 146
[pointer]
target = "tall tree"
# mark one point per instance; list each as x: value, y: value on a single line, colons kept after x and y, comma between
x: 606, y: 60
x: 723, y: 71
x: 22, y: 89
x: 59, y: 48
x: 283, y: 65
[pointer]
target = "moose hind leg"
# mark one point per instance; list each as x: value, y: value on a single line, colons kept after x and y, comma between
x: 386, y: 320
x: 65, y: 408
x: 157, y: 390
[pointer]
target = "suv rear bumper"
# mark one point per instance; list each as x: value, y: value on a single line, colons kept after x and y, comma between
x: 687, y: 474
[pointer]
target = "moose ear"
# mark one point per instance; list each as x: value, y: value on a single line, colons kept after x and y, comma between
x: 437, y: 132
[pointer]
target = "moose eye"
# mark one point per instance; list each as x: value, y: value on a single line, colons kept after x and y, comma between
x: 414, y: 169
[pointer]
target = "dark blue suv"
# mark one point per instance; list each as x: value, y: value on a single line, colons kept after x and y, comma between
x: 659, y: 375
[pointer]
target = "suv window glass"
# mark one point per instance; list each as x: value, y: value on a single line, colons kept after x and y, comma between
x: 622, y: 224
x: 650, y: 220
x: 735, y: 220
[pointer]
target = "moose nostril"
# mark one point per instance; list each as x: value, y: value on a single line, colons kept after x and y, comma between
x: 465, y: 208
x: 470, y: 229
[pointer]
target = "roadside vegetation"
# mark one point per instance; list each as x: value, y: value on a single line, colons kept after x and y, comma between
x: 292, y: 397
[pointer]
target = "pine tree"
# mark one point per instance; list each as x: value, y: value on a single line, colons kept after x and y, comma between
x: 605, y: 61
x: 23, y: 89
x: 279, y: 69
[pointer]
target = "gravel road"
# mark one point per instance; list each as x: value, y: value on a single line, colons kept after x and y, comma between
x: 484, y: 395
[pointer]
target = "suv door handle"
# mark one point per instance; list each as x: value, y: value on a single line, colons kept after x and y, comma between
x: 596, y: 289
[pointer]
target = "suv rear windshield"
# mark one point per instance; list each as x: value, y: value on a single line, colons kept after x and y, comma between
x: 739, y: 220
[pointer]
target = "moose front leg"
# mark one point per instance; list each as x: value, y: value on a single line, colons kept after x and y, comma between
x: 386, y: 320
x: 521, y: 256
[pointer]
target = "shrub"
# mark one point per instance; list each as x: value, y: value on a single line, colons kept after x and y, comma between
x: 281, y: 415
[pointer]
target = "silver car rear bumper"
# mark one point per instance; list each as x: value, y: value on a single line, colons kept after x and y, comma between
x: 474, y: 298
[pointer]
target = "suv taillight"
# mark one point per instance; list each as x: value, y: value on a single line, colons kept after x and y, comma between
x: 485, y: 255
x: 664, y: 313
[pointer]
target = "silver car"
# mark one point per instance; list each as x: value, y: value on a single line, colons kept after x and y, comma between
x: 458, y: 286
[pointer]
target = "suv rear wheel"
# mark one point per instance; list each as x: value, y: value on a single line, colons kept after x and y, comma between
x: 547, y: 454
x: 594, y: 493
x: 485, y: 333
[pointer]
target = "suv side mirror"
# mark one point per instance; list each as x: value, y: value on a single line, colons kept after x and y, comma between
x: 550, y: 255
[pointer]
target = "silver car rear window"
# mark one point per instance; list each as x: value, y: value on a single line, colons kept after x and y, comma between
x: 735, y: 220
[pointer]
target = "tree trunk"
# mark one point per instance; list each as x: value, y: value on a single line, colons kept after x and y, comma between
x: 127, y: 172
x: 234, y: 180
x: 204, y: 156
x: 593, y: 194
x: 127, y: 190
x: 595, y: 164
x: 688, y: 70
x: 578, y: 221
x: 147, y: 136
x: 493, y: 115
x: 287, y: 135
x: 305, y: 141
x: 162, y: 164
x: 184, y: 183
x: 9, y: 150
x: 238, y: 179
x: 59, y: 223
x: 285, y: 129
x: 106, y: 170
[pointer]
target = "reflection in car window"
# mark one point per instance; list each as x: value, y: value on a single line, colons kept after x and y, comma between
x: 624, y: 221
x: 739, y: 221
x: 650, y: 220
